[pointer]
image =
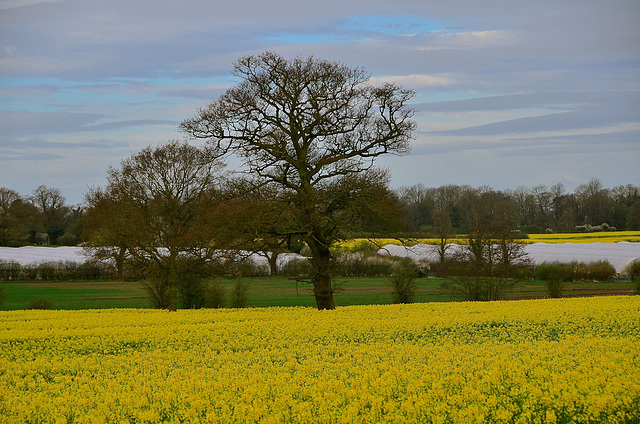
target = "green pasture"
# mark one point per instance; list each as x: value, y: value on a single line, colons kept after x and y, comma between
x: 268, y: 291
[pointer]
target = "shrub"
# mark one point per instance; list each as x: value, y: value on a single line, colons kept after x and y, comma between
x: 40, y: 304
x: 296, y: 268
x: 600, y: 271
x: 247, y: 267
x: 161, y: 294
x: 68, y: 239
x: 46, y: 271
x: 403, y: 281
x: 554, y: 271
x: 555, y: 275
x: 239, y: 293
x: 10, y: 270
x: 30, y: 272
x: 359, y: 265
x: 555, y: 287
x: 454, y: 267
x: 93, y: 270
x: 215, y: 295
x: 576, y: 271
x: 191, y: 293
x: 67, y: 270
x: 465, y: 288
x: 478, y: 288
x: 633, y: 271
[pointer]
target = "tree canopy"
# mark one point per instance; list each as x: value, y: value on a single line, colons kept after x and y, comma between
x: 153, y: 214
x: 313, y: 128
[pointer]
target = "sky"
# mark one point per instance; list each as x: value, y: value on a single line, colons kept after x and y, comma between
x: 509, y: 93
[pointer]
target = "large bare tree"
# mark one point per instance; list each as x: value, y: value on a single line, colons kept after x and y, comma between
x: 308, y: 126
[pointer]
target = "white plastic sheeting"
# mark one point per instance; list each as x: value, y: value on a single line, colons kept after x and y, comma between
x: 34, y: 255
x: 620, y: 254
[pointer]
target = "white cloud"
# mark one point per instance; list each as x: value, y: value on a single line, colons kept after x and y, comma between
x: 415, y: 81
x: 9, y: 4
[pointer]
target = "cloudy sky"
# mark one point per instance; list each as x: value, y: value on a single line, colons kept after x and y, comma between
x: 510, y: 93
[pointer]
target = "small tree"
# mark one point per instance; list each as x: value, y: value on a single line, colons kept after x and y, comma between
x: 492, y: 251
x: 403, y: 281
x: 443, y: 231
x: 152, y: 216
x: 239, y: 293
x: 215, y: 295
x: 53, y: 210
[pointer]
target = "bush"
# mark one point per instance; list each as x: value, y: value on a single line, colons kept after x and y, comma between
x: 30, y: 272
x: 554, y: 271
x: 600, y: 271
x: 47, y: 271
x: 296, y: 268
x: 62, y: 270
x: 215, y: 295
x: 162, y: 295
x: 239, y: 293
x: 10, y: 270
x: 40, y: 304
x: 576, y: 271
x: 478, y: 288
x: 633, y: 271
x: 555, y: 287
x: 247, y: 267
x: 453, y: 267
x: 359, y: 265
x: 191, y: 292
x: 93, y: 270
x: 403, y: 281
x: 555, y: 275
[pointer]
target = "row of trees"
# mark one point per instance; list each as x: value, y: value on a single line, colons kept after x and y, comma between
x: 40, y: 218
x: 306, y: 133
x: 43, y: 217
x: 591, y: 207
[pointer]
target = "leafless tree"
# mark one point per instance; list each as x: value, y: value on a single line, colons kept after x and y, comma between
x: 306, y: 125
x: 154, y: 212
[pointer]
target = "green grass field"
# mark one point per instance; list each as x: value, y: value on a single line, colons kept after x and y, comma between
x: 268, y: 291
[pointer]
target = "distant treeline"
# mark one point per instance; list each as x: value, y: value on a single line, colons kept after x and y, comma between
x: 44, y: 218
x: 541, y: 209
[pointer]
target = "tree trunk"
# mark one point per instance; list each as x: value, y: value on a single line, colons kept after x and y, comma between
x: 272, y: 258
x: 321, y: 260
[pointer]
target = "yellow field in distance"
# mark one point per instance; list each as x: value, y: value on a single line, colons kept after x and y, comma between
x: 599, y: 237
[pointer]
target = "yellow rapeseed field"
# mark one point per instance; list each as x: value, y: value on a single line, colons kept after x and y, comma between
x: 541, y: 361
x: 599, y: 237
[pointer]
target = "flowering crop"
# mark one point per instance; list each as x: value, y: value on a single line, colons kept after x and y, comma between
x: 540, y: 361
x: 598, y: 237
